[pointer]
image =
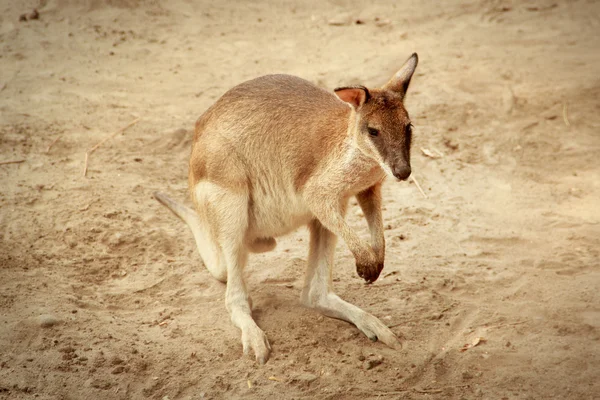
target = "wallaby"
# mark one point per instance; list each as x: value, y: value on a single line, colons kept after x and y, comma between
x: 277, y: 152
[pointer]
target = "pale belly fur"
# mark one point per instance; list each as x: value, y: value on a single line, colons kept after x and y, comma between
x: 276, y: 213
x: 273, y: 210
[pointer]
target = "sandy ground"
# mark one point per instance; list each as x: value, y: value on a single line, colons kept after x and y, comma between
x: 102, y: 293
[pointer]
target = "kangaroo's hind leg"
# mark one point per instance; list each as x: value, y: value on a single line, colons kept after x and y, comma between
x: 227, y: 217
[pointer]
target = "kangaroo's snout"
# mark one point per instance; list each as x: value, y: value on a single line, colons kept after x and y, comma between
x: 402, y: 171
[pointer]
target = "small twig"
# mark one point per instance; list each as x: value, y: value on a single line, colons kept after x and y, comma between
x: 418, y: 186
x: 135, y: 121
x: 529, y: 126
x: 85, y: 208
x: 422, y: 391
x: 439, y: 390
x: 85, y: 164
x: 431, y: 154
x: 450, y: 307
x: 565, y: 116
x: 503, y: 325
x: 52, y: 144
x: 402, y: 391
x: 428, y: 391
x: 11, y: 162
x: 90, y: 151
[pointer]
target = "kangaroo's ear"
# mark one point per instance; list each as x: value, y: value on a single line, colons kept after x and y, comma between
x: 356, y: 96
x: 400, y: 81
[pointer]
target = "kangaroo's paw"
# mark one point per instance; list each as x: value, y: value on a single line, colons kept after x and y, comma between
x: 377, y: 330
x: 253, y: 338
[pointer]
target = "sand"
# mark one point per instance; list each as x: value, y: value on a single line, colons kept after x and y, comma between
x: 102, y: 293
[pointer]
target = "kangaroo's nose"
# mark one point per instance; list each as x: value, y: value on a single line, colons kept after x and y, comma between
x: 402, y: 172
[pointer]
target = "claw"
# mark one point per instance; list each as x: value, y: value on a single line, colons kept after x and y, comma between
x: 261, y: 360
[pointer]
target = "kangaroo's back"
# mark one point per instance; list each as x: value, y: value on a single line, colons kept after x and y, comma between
x: 270, y: 102
x: 273, y: 122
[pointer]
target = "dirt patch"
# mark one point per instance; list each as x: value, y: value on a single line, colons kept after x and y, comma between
x: 102, y: 294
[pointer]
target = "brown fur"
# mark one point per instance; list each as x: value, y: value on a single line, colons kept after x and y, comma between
x: 308, y: 102
x: 277, y: 152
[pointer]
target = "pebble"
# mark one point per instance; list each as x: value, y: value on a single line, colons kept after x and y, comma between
x: 340, y: 20
x: 118, y: 370
x: 47, y: 320
x: 117, y: 239
x: 436, y: 316
x: 372, y: 362
x: 382, y: 22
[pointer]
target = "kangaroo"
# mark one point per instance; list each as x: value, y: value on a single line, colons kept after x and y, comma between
x: 276, y: 153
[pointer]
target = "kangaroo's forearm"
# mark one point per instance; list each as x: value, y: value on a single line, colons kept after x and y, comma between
x: 331, y: 214
x: 370, y: 203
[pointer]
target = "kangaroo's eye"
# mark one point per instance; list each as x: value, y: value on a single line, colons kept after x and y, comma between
x: 373, y: 131
x: 409, y: 129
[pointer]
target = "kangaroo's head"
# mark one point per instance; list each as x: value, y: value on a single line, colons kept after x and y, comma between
x: 381, y: 127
